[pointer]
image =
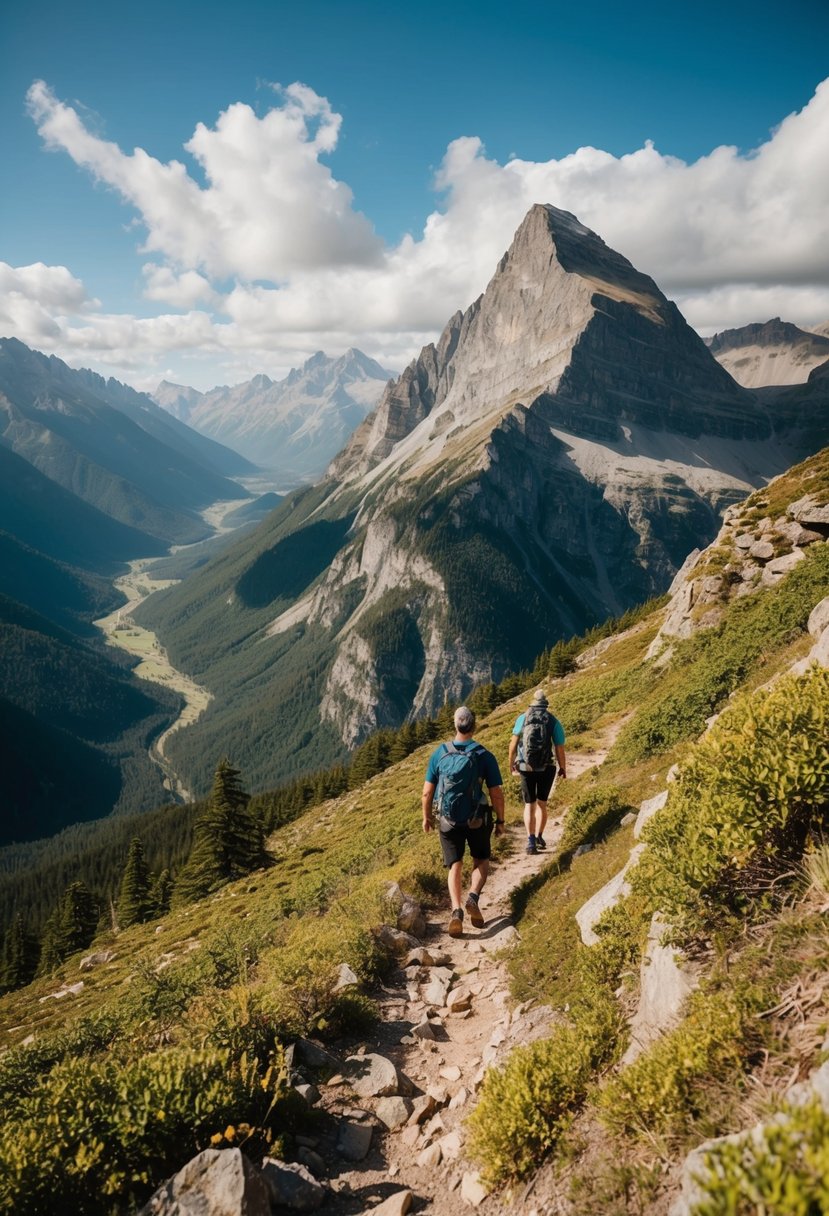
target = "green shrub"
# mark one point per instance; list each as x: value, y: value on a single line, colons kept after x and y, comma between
x: 95, y: 1136
x: 784, y: 1171
x: 592, y: 816
x: 525, y: 1106
x: 666, y: 1087
x: 743, y: 807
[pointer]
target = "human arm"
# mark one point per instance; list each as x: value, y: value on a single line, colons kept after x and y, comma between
x: 561, y: 760
x: 496, y: 794
x: 426, y: 800
x: 513, y: 754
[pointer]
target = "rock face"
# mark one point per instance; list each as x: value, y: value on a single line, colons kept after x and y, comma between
x: 293, y: 426
x: 216, y: 1183
x: 552, y: 459
x: 776, y: 352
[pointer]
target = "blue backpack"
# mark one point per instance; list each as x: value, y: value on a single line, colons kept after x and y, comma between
x: 460, y: 782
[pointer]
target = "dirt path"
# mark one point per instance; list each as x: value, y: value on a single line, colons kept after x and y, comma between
x: 429, y: 1159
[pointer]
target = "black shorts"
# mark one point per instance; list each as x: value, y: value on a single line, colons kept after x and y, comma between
x: 535, y: 787
x: 453, y: 842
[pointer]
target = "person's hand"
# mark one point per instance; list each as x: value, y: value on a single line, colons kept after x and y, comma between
x: 427, y: 823
x: 500, y: 827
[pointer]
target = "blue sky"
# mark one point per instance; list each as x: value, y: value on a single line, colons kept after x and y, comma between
x: 407, y: 93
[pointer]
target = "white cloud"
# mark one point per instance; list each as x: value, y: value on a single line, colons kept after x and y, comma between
x: 272, y: 249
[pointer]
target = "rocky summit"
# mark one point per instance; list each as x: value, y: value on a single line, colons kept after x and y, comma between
x: 776, y: 352
x: 549, y: 461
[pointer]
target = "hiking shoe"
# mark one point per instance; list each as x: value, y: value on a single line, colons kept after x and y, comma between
x: 540, y: 842
x: 456, y: 923
x: 531, y: 845
x: 474, y: 912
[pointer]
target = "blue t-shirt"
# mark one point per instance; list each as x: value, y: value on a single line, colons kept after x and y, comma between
x: 489, y: 765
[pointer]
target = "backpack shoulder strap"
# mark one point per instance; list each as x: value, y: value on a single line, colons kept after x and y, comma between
x: 448, y: 749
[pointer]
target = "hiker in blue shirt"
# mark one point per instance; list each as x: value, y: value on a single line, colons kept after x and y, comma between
x: 458, y: 771
x: 535, y: 736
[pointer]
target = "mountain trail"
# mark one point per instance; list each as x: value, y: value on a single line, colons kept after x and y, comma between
x: 429, y: 1159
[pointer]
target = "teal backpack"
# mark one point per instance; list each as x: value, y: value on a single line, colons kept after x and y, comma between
x: 460, y: 785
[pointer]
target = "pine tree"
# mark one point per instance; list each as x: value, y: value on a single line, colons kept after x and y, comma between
x: 228, y: 839
x: 160, y: 891
x: 19, y: 956
x: 77, y: 920
x: 50, y: 958
x: 134, y: 903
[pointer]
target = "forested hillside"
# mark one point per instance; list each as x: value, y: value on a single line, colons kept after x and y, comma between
x: 711, y: 713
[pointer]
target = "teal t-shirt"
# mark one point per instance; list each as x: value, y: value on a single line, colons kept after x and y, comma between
x: 558, y: 734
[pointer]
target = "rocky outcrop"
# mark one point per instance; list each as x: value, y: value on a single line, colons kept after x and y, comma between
x: 775, y: 352
x: 216, y: 1183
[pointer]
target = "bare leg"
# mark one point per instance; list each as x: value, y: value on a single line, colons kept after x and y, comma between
x: 480, y: 872
x: 542, y: 817
x: 453, y: 880
x: 529, y: 818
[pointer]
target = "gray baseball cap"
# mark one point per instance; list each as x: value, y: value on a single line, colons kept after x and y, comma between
x: 539, y: 698
x: 464, y: 720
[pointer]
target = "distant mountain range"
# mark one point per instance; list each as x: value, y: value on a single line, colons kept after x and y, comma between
x: 550, y: 461
x: 92, y: 474
x: 294, y: 426
x: 775, y: 352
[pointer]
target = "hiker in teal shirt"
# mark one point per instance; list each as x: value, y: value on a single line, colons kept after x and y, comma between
x: 472, y: 820
x: 541, y: 730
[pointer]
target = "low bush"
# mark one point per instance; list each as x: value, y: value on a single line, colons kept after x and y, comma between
x: 592, y: 816
x: 744, y: 805
x: 95, y: 1136
x: 666, y: 1088
x: 525, y: 1106
x: 781, y: 1171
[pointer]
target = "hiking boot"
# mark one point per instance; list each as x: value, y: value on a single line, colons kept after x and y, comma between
x: 531, y: 845
x: 474, y: 911
x: 540, y: 842
x: 456, y: 923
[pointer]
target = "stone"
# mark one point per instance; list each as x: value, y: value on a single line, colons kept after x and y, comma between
x: 473, y: 1191
x: 410, y: 1135
x: 459, y: 1099
x: 424, y: 1030
x: 627, y: 820
x: 97, y: 959
x: 316, y: 1056
x: 353, y: 1140
x: 451, y: 1072
x: 410, y: 918
x: 221, y: 1181
x: 397, y: 1204
x: 762, y: 550
x: 458, y: 1000
x: 429, y: 1157
x: 309, y: 1092
x: 609, y: 895
x: 345, y: 978
x: 820, y: 651
x: 450, y: 1146
x: 422, y: 1108
x: 435, y: 992
x: 290, y: 1185
x: 819, y: 618
x: 420, y: 957
x: 395, y: 940
x: 394, y: 1112
x: 796, y: 534
x: 745, y: 540
x: 775, y: 569
x: 372, y: 1075
x: 665, y: 985
x: 808, y: 511
x: 582, y: 849
x: 647, y: 810
x: 308, y: 1157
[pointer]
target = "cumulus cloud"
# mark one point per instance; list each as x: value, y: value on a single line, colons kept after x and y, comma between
x: 269, y: 258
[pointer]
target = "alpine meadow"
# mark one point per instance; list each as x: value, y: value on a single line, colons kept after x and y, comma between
x: 414, y: 610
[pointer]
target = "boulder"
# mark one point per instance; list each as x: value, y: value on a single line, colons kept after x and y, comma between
x: 429, y: 1157
x: 647, y: 810
x: 395, y: 940
x: 473, y: 1191
x: 819, y: 618
x: 410, y: 918
x: 218, y: 1182
x: 372, y: 1075
x: 316, y: 1056
x: 745, y: 540
x: 459, y: 999
x: 97, y: 959
x: 450, y: 1146
x: 308, y: 1157
x: 762, y: 550
x: 309, y: 1092
x: 775, y: 569
x: 609, y: 895
x: 808, y: 511
x: 394, y: 1112
x: 397, y: 1204
x: 666, y: 983
x: 353, y: 1140
x: 422, y: 1108
x: 425, y: 1030
x: 436, y: 991
x: 290, y: 1185
x: 345, y: 978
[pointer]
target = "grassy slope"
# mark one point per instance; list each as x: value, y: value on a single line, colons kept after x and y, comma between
x: 336, y: 855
